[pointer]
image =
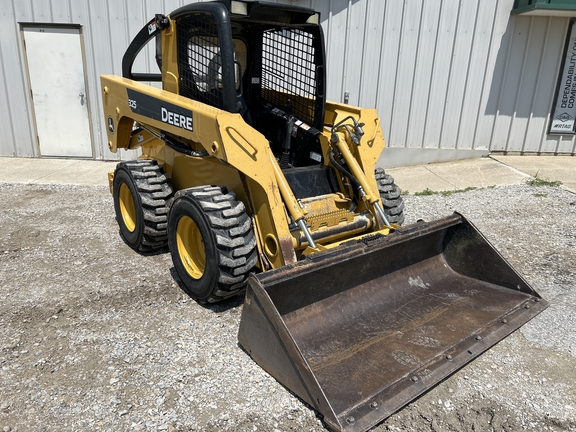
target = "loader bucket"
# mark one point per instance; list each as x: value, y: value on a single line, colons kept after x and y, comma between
x: 359, y: 331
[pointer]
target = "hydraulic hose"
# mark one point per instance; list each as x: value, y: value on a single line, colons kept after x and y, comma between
x: 343, y: 170
x: 356, y: 183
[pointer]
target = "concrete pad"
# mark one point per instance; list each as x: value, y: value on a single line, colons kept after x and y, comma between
x: 55, y: 171
x: 480, y: 173
x: 560, y: 168
x: 26, y: 170
x: 441, y: 176
x: 455, y: 175
x: 416, y: 178
x: 81, y: 173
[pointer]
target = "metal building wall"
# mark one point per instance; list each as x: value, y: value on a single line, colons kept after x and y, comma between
x: 107, y: 29
x: 449, y: 78
x: 520, y: 98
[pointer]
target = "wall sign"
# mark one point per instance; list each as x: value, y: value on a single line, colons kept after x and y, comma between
x: 564, y: 115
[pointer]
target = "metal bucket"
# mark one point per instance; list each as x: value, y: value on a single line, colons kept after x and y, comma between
x: 359, y: 331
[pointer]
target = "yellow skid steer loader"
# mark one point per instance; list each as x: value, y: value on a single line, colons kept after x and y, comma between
x: 256, y: 183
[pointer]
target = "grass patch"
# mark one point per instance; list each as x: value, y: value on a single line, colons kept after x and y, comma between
x: 451, y: 192
x: 542, y: 181
x: 427, y: 192
x: 540, y: 195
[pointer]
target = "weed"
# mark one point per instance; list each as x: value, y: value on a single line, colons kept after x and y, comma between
x: 542, y: 181
x: 425, y: 192
x: 540, y: 195
x: 450, y: 192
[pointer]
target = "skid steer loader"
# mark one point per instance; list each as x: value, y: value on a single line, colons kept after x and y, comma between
x: 257, y: 183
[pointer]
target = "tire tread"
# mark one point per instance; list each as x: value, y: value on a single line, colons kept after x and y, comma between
x: 235, y: 238
x: 391, y: 197
x: 155, y: 194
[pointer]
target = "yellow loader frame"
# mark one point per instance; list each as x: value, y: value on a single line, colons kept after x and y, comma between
x: 236, y: 155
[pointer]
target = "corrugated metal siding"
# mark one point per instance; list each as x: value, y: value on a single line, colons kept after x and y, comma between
x: 529, y: 61
x: 15, y: 126
x: 107, y: 29
x: 450, y: 77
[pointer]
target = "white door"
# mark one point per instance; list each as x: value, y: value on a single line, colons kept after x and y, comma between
x: 56, y: 70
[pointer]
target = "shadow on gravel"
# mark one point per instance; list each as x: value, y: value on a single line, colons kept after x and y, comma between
x: 151, y: 253
x: 318, y: 416
x: 222, y: 306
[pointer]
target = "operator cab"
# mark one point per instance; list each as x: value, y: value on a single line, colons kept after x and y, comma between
x: 264, y: 61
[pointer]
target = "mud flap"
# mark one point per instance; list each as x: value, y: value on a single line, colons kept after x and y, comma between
x: 360, y: 331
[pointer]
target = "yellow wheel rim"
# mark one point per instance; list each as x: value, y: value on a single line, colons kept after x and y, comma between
x: 127, y: 208
x: 190, y: 247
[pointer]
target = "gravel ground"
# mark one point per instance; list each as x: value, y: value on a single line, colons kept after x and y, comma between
x: 94, y: 336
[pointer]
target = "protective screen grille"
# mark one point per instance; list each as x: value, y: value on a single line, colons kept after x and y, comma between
x: 199, y: 60
x: 289, y: 71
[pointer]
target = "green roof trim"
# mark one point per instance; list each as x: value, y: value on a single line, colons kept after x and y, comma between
x: 565, y: 8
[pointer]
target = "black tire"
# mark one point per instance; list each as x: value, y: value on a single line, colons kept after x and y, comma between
x: 212, y: 243
x: 142, y: 196
x: 391, y: 197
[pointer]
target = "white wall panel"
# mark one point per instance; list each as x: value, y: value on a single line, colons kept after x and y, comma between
x: 7, y: 139
x: 336, y: 48
x: 510, y: 88
x: 80, y: 12
x: 16, y: 119
x: 353, y: 54
x: 420, y: 96
x: 528, y: 79
x: 42, y: 11
x: 543, y: 95
x: 370, y: 67
x: 406, y: 63
x: 528, y: 66
x: 22, y: 11
x: 544, y: 100
x: 167, y: 7
x: 566, y: 144
x: 135, y: 21
x: 385, y: 90
x: 458, y: 74
x: 101, y: 50
x: 495, y: 70
x: 450, y: 11
x: 478, y: 68
x: 61, y: 11
x: 7, y: 142
x: 450, y: 76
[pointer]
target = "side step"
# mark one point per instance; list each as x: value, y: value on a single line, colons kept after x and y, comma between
x: 360, y: 331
